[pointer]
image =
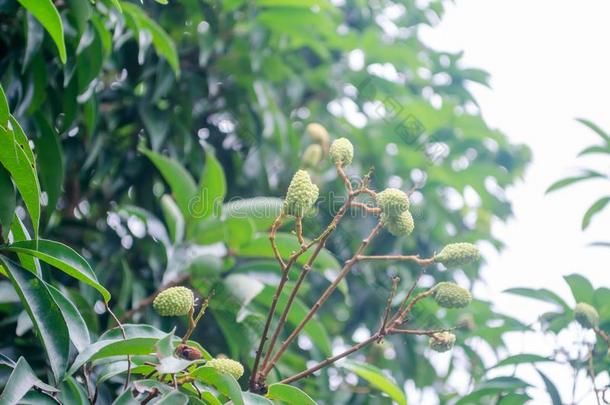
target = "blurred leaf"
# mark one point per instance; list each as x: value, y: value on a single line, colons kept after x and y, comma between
x: 21, y: 380
x: 46, y: 13
x: 4, y: 109
x: 50, y: 161
x: 495, y: 386
x: 551, y: 389
x: 594, y: 149
x: 181, y: 182
x: 162, y: 42
x: 541, y: 294
x: 376, y: 378
x: 261, y: 210
x: 581, y: 288
x: 571, y: 180
x: 173, y: 219
x: 595, y: 129
x: 520, y: 359
x: 212, y: 189
x: 61, y: 257
x: 594, y: 209
x: 71, y: 392
x: 289, y: 394
x: 254, y: 399
x: 44, y: 313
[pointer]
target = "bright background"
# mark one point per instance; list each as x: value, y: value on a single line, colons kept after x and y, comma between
x: 549, y: 63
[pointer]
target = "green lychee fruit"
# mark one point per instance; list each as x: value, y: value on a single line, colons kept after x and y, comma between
x: 227, y: 366
x: 341, y: 152
x: 450, y: 295
x: 174, y: 301
x: 312, y: 155
x: 398, y: 225
x: 458, y: 254
x: 586, y: 315
x: 442, y: 341
x: 301, y: 195
x: 317, y: 133
x: 393, y: 201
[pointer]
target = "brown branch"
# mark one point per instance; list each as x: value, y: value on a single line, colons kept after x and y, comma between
x: 276, y: 224
x: 367, y: 208
x: 146, y: 302
x: 344, y: 271
x: 602, y: 335
x: 412, y: 258
x: 427, y: 332
x: 298, y: 227
x: 388, y: 307
x: 305, y: 270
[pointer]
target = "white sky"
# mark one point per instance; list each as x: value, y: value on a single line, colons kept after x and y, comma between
x: 549, y: 62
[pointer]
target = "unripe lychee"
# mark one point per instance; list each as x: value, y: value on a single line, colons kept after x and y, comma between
x: 341, y: 152
x: 586, y: 315
x: 174, y: 301
x: 227, y: 366
x: 317, y: 133
x: 458, y: 254
x: 312, y: 155
x: 393, y: 201
x: 398, y: 225
x: 301, y: 195
x: 450, y: 295
x: 441, y: 341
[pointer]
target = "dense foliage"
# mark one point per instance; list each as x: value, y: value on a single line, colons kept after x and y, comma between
x: 152, y: 128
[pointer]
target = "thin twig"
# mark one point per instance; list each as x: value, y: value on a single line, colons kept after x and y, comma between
x: 298, y: 227
x: 388, y: 307
x: 327, y: 293
x: 120, y: 325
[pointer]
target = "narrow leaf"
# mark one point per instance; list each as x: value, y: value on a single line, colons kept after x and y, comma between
x: 212, y: 188
x: 571, y: 180
x: 376, y: 378
x: 47, y: 14
x: 44, y: 313
x: 8, y: 202
x: 79, y: 333
x: 596, y: 207
x: 551, y: 389
x: 50, y: 161
x: 21, y: 380
x: 63, y: 258
x: 595, y: 129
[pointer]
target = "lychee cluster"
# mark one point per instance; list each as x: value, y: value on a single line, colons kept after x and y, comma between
x: 301, y: 195
x: 395, y: 215
x: 227, y: 366
x: 586, y: 315
x: 341, y: 152
x: 441, y: 341
x: 450, y: 295
x: 458, y: 254
x: 174, y: 301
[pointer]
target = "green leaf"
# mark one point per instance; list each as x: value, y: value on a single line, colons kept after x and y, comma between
x: 551, y: 389
x: 63, y: 258
x: 79, y: 333
x: 376, y: 378
x: 224, y: 383
x: 594, y: 209
x: 571, y: 180
x: 163, y: 43
x: 20, y: 233
x: 23, y: 172
x: 51, y: 162
x: 180, y: 181
x: 45, y: 314
x: 289, y: 394
x: 73, y: 393
x: 590, y: 150
x: 519, y: 359
x: 595, y: 129
x: 4, y: 109
x: 117, y: 4
x: 212, y: 189
x: 8, y: 201
x: 173, y: 398
x: 495, y: 386
x: 541, y: 294
x: 581, y: 288
x: 254, y: 399
x: 173, y: 219
x: 22, y: 140
x: 47, y: 14
x: 261, y: 210
x: 114, y: 347
x: 21, y: 380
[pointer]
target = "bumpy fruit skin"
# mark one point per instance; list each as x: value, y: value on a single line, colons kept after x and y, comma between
x: 312, y: 155
x: 175, y: 301
x: 227, y: 366
x: 458, y: 254
x: 586, y: 315
x: 399, y: 225
x: 451, y: 295
x: 341, y: 152
x: 393, y: 201
x: 442, y: 341
x: 301, y: 195
x: 317, y: 133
